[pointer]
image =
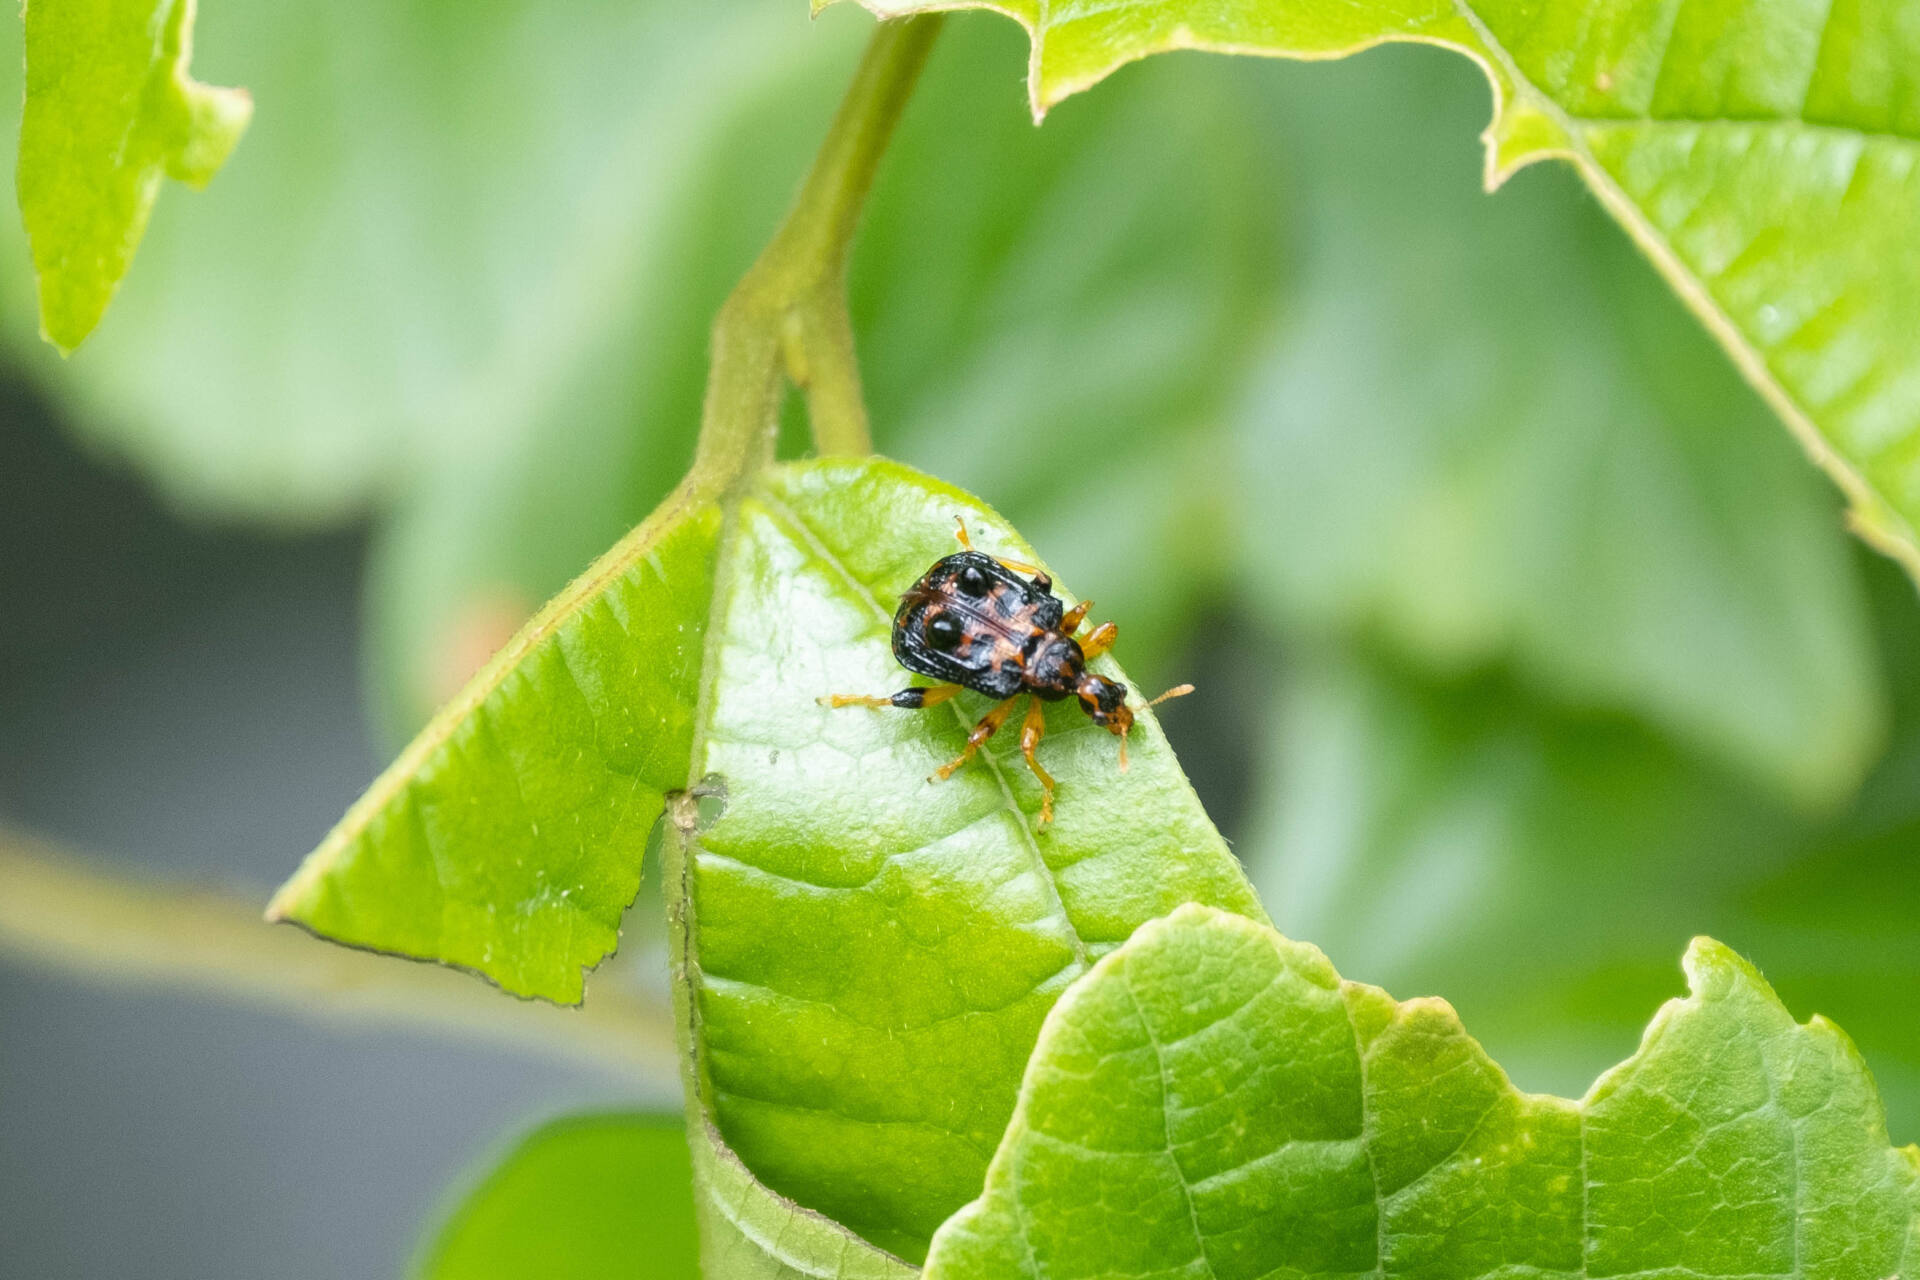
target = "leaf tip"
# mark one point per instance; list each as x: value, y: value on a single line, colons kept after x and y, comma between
x: 1716, y: 971
x: 1708, y: 962
x: 215, y: 120
x: 62, y: 344
x: 1520, y: 134
x: 71, y: 304
x: 279, y: 908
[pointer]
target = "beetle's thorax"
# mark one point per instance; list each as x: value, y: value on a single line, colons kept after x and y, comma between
x: 1055, y: 663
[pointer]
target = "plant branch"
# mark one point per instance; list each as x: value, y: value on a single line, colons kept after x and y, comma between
x: 59, y: 913
x: 787, y: 318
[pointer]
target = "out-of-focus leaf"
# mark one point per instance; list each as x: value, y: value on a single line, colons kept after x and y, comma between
x: 1485, y: 434
x: 583, y: 1198
x: 110, y: 110
x: 489, y: 531
x: 445, y: 229
x: 1213, y: 1100
x: 1072, y: 322
x: 871, y: 953
x: 1765, y: 156
x: 1539, y: 865
x: 1465, y: 837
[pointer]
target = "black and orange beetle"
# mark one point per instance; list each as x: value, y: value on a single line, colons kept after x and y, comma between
x: 974, y: 622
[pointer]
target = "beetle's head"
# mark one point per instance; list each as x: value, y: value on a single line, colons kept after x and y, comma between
x: 1105, y: 702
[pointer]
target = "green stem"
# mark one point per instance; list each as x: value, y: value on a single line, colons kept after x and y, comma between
x: 69, y: 917
x: 787, y: 318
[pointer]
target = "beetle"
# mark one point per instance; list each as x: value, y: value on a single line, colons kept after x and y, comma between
x: 992, y: 625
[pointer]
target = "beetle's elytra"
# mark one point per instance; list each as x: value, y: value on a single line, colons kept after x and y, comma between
x: 973, y: 621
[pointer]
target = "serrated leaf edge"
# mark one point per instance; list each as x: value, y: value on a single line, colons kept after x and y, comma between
x: 1703, y: 957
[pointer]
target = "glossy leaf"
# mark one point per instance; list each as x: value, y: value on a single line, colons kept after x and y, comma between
x: 580, y: 1199
x: 1763, y: 155
x: 875, y: 953
x: 110, y: 110
x: 872, y: 953
x: 1212, y: 1100
x: 1485, y: 436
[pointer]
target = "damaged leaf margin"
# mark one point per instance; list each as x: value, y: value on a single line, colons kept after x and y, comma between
x: 110, y: 110
x: 1213, y: 1099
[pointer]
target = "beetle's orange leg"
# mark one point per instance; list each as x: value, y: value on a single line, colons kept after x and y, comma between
x: 1100, y: 639
x: 1071, y: 620
x: 911, y: 699
x: 1031, y: 728
x: 989, y: 725
x: 1033, y: 571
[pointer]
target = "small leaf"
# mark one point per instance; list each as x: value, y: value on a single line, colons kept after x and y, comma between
x: 1212, y: 1100
x: 1765, y: 156
x: 583, y: 1198
x: 110, y: 110
x: 507, y: 838
x: 871, y: 953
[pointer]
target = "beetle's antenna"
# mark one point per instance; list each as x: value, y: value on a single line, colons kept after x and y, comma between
x: 1178, y: 691
x: 961, y: 534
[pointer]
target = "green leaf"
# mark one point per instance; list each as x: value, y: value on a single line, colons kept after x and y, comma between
x: 1487, y: 436
x: 1212, y: 1100
x: 1763, y: 155
x: 871, y: 953
x: 874, y: 955
x: 110, y: 110
x: 506, y: 839
x: 580, y: 1199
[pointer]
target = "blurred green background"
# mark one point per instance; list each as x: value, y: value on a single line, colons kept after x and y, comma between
x: 1528, y: 644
